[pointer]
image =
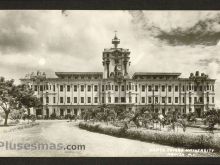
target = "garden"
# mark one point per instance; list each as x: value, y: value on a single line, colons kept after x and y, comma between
x: 172, y: 128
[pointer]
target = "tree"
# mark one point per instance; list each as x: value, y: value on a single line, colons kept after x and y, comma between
x: 211, y: 118
x: 191, y: 117
x: 147, y: 118
x: 26, y: 97
x: 8, y: 97
x: 136, y: 117
x: 172, y: 118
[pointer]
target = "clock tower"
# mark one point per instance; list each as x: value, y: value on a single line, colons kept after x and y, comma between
x: 116, y: 61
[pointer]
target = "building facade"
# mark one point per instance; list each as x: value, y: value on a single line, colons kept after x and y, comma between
x: 75, y: 92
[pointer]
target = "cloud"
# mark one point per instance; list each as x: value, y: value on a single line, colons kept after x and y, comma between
x: 203, y: 30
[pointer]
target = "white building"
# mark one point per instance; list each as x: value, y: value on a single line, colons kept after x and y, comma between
x: 74, y: 92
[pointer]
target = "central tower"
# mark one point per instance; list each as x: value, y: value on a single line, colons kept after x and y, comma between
x: 116, y: 61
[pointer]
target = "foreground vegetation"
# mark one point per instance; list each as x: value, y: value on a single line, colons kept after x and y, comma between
x: 147, y: 118
x: 16, y: 100
x: 206, y: 141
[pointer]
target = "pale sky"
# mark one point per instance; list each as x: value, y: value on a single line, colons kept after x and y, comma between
x: 159, y: 41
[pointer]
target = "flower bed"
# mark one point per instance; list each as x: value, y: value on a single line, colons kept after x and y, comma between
x: 166, y: 138
x: 19, y: 127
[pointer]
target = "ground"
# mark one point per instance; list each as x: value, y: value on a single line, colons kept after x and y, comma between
x: 95, y: 144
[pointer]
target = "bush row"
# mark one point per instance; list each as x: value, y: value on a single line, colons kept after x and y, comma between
x: 203, y: 141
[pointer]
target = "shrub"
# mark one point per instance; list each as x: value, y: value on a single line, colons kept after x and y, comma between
x: 53, y: 116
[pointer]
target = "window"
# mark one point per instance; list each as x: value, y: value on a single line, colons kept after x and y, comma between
x: 184, y: 110
x: 143, y: 99
x: 163, y: 88
x: 116, y: 99
x: 176, y: 88
x: 183, y: 88
x: 163, y: 99
x: 68, y: 88
x: 200, y: 88
x: 189, y: 87
x: 82, y: 88
x: 41, y: 100
x: 75, y: 111
x: 135, y: 87
x: 149, y: 100
x: 109, y: 99
x: 195, y: 88
x: 68, y: 99
x: 103, y: 100
x: 89, y: 88
x: 61, y: 88
x: 106, y: 87
x: 176, y: 99
x: 103, y: 87
x: 156, y: 99
x: 61, y: 112
x: 169, y: 100
x: 61, y: 99
x: 149, y: 88
x: 200, y: 99
x: 82, y: 99
x: 183, y: 99
x: 213, y: 88
x: 190, y: 99
x: 213, y: 100
x: 75, y: 99
x: 47, y: 99
x: 136, y: 99
x: 96, y: 99
x: 68, y: 110
x: 156, y: 88
x: 54, y: 88
x: 143, y: 88
x: 123, y: 99
x: 35, y: 88
x: 116, y: 87
x: 54, y: 99
x: 89, y: 99
x: 75, y: 88
x: 41, y: 87
x: 122, y: 88
x: 96, y: 88
x: 207, y: 87
x: 190, y: 109
x: 46, y: 87
x: 169, y: 88
x: 195, y: 99
x: 130, y: 99
x: 207, y: 99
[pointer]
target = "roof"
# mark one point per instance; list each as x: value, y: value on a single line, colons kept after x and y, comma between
x: 157, y: 74
x: 116, y: 49
x: 77, y: 73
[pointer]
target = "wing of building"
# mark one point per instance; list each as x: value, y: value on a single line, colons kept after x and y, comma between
x: 75, y: 92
